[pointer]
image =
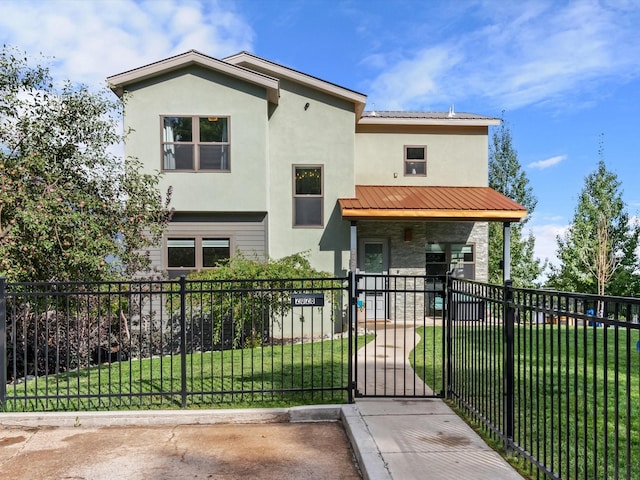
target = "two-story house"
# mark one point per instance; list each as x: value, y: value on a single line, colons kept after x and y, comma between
x: 269, y: 161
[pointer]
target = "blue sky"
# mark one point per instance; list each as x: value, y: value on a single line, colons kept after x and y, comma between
x: 566, y: 73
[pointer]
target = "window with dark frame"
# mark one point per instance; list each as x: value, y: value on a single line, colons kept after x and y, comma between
x: 444, y: 257
x: 195, y: 143
x: 185, y: 254
x: 308, y: 196
x: 415, y: 160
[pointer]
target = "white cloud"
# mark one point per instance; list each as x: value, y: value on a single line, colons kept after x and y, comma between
x: 549, y: 162
x: 94, y: 39
x: 427, y: 72
x: 524, y: 53
x: 546, y: 244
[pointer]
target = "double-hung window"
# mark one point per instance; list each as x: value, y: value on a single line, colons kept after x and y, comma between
x: 415, y: 160
x: 195, y: 143
x: 185, y: 254
x: 308, y: 196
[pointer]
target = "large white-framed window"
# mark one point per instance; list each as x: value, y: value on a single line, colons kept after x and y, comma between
x: 444, y: 257
x: 308, y: 196
x: 194, y: 143
x: 188, y: 253
x: 415, y: 160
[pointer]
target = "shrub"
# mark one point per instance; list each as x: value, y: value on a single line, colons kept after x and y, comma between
x: 237, y: 303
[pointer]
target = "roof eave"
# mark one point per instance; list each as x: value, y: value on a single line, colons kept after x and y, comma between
x: 440, y: 215
x: 119, y: 82
x: 249, y: 60
x: 469, y: 122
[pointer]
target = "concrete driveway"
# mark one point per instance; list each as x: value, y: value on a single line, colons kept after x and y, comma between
x: 317, y: 450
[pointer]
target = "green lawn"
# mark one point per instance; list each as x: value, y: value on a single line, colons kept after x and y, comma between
x: 570, y: 408
x: 253, y: 377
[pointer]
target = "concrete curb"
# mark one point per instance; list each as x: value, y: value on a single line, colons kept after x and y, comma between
x: 370, y: 461
x: 309, y: 413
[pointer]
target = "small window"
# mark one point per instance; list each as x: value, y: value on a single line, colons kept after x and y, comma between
x: 187, y: 254
x: 445, y: 257
x: 308, y: 196
x: 195, y: 143
x: 181, y: 253
x: 415, y: 161
x: 436, y: 259
x: 214, y: 250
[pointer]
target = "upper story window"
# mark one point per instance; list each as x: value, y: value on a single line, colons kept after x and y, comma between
x: 195, y: 143
x: 308, y: 196
x: 415, y: 160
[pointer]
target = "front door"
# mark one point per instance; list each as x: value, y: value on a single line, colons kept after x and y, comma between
x: 374, y: 264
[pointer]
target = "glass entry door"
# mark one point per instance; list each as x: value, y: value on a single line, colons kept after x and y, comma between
x: 374, y: 264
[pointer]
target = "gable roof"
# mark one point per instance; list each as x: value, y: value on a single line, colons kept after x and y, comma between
x: 249, y: 67
x: 119, y: 82
x: 251, y: 61
x: 375, y: 202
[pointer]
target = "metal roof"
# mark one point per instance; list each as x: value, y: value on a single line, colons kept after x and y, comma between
x: 374, y: 202
x: 433, y: 115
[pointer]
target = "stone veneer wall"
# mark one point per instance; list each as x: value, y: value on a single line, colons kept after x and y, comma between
x: 408, y: 258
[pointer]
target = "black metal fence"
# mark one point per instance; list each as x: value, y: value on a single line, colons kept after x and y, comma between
x: 403, y: 311
x: 555, y: 376
x: 164, y: 344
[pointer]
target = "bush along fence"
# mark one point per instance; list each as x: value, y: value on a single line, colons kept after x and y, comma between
x: 554, y: 376
x: 173, y: 344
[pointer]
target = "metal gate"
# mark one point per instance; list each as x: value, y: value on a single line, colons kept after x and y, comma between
x: 409, y: 342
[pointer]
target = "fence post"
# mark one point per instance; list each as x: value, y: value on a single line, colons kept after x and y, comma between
x: 3, y: 343
x: 183, y: 341
x: 446, y: 304
x: 509, y: 372
x: 351, y: 337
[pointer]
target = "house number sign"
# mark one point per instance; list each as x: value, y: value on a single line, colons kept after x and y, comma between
x: 307, y: 300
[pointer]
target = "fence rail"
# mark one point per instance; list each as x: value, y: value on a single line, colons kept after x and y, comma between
x: 172, y: 344
x: 555, y: 376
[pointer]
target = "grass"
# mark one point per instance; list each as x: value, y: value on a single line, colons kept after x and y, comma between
x: 274, y: 376
x: 577, y: 401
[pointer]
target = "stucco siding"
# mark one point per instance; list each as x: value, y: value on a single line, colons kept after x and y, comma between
x: 454, y: 158
x: 196, y: 91
x: 320, y: 134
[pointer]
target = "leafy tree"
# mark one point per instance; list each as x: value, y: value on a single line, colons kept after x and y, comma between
x: 597, y: 253
x: 507, y: 177
x: 70, y: 209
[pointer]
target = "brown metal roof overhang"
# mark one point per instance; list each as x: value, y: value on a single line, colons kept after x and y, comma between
x: 407, y: 203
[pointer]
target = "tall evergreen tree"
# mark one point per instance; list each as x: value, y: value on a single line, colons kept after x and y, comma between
x: 507, y: 177
x: 598, y: 252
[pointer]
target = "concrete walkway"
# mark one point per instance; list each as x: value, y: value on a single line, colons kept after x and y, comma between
x: 406, y: 438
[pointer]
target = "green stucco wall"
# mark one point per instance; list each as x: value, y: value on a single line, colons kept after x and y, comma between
x: 196, y: 91
x: 453, y: 159
x: 321, y: 134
